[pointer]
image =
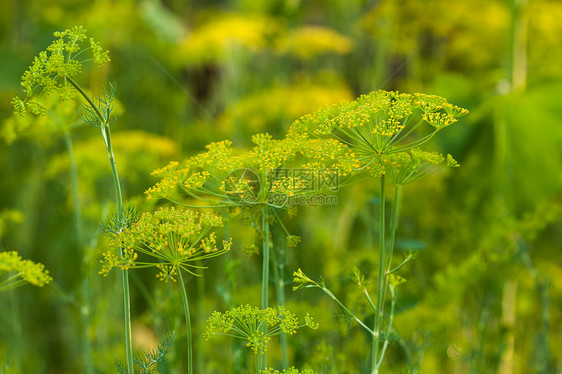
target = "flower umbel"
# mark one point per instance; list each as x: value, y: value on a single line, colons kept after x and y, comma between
x: 255, y: 325
x: 19, y: 272
x: 379, y: 123
x: 52, y: 68
x: 173, y: 239
x: 227, y: 176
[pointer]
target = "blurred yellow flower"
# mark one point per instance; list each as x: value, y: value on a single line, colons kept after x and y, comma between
x: 310, y: 41
x: 8, y: 216
x: 213, y: 41
x: 545, y: 32
x: 282, y: 103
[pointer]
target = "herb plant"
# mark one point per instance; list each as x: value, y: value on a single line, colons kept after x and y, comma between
x: 172, y: 241
x: 382, y: 132
x: 54, y: 72
x: 251, y: 181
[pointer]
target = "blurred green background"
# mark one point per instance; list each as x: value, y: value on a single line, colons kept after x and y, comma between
x: 485, y: 295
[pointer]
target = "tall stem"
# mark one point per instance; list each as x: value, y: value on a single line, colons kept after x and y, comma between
x: 125, y: 273
x: 200, y: 316
x: 279, y: 273
x: 258, y: 362
x: 265, y: 268
x: 265, y: 253
x: 128, y: 327
x: 85, y: 305
x: 393, y: 224
x: 187, y: 323
x: 106, y: 134
x: 380, y: 282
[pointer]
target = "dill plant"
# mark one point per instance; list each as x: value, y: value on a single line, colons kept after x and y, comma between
x: 248, y: 181
x: 55, y: 72
x: 379, y: 135
x: 256, y: 327
x: 173, y: 241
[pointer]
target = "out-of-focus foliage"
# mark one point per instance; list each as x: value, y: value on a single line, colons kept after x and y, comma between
x: 484, y: 295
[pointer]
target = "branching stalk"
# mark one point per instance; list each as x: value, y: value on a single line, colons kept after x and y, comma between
x: 106, y: 134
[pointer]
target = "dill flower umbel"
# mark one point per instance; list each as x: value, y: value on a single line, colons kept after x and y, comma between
x: 168, y: 239
x: 377, y: 124
x: 227, y: 176
x: 255, y: 325
x: 19, y: 272
x: 54, y: 67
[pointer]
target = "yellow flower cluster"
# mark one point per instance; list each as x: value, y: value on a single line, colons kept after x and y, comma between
x: 255, y: 325
x: 288, y: 185
x: 371, y: 134
x: 376, y: 134
x: 405, y: 167
x: 168, y: 239
x: 236, y: 177
x: 52, y: 68
x: 19, y: 271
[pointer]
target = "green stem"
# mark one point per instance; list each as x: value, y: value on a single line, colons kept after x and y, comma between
x: 380, y: 282
x: 127, y: 312
x: 187, y: 323
x: 85, y: 307
x: 349, y: 312
x: 265, y: 267
x: 88, y: 99
x: 389, y: 329
x: 200, y: 317
x: 393, y: 224
x: 125, y: 273
x: 12, y: 282
x: 279, y: 273
x: 257, y: 361
x: 106, y: 134
x: 265, y: 253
